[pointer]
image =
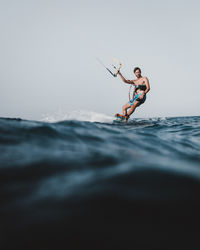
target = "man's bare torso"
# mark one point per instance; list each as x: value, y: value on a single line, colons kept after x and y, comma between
x: 139, y: 81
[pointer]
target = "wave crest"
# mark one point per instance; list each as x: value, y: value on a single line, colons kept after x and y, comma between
x: 78, y: 115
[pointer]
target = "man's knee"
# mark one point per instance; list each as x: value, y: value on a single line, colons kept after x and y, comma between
x: 133, y: 106
x: 125, y: 107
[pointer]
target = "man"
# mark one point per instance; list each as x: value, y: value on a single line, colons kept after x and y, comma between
x: 139, y: 96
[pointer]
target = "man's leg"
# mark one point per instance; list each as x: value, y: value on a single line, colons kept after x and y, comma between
x: 125, y: 107
x: 133, y: 107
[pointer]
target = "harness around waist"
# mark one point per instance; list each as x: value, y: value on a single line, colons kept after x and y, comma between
x: 141, y: 87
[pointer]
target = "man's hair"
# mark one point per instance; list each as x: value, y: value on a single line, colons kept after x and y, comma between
x: 136, y: 68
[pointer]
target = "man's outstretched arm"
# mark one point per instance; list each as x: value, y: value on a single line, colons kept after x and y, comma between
x: 124, y: 80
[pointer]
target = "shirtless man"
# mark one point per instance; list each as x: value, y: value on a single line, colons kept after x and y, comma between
x: 139, y: 96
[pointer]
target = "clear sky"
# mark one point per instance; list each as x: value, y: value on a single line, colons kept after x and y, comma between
x: 48, y: 50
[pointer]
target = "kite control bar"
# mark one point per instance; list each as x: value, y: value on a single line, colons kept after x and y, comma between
x: 117, y: 68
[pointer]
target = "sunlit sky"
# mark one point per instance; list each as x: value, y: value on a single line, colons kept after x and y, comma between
x: 48, y: 56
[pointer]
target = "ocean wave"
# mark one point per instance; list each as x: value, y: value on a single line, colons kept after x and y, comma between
x: 84, y: 179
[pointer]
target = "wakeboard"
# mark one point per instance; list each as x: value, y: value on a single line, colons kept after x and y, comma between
x: 120, y: 119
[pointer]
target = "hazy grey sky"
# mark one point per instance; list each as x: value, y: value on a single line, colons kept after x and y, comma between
x: 48, y: 50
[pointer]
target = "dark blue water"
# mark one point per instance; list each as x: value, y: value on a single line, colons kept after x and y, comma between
x: 89, y: 185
